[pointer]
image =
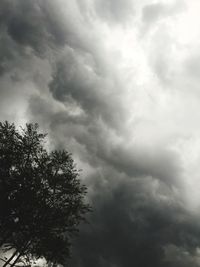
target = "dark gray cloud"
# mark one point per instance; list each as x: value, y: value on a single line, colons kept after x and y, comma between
x: 74, y: 79
x: 57, y: 68
x: 32, y: 24
x: 132, y: 226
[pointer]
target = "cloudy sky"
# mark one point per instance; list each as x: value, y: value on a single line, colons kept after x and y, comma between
x: 117, y: 83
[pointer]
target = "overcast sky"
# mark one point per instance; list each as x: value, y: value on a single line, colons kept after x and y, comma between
x: 117, y: 83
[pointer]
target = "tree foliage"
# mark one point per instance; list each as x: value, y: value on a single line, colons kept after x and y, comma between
x: 41, y: 197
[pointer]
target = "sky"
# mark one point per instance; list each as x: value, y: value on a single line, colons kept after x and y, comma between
x: 116, y: 83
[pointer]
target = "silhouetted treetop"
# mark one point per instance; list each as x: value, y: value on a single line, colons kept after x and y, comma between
x: 41, y: 197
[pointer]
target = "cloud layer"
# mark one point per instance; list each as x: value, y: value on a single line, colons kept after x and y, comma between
x: 117, y: 84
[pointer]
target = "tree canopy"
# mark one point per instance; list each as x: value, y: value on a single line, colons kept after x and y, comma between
x: 41, y: 197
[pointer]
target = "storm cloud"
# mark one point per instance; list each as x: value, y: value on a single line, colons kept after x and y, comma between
x: 116, y: 84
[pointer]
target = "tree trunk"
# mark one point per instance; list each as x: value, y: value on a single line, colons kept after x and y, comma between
x: 9, y: 260
x: 15, y: 261
x: 20, y: 253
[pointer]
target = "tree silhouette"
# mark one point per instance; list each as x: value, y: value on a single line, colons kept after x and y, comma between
x: 41, y: 197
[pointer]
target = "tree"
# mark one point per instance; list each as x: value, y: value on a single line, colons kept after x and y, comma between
x: 41, y: 197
